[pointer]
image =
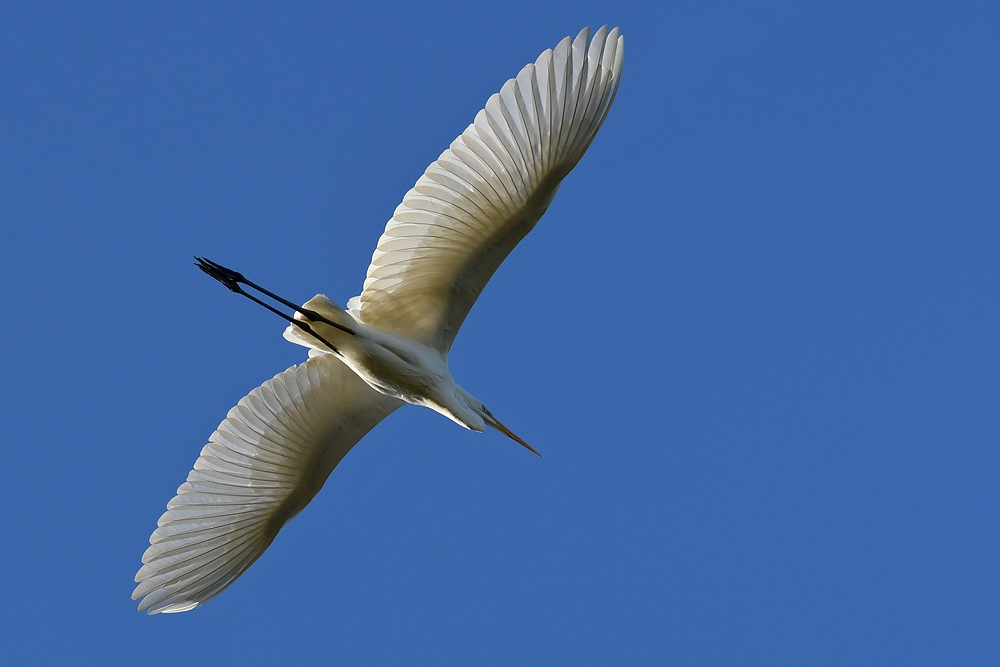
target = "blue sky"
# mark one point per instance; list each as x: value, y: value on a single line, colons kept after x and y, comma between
x: 754, y: 337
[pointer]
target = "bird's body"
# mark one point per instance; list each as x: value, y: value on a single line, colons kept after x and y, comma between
x: 389, y: 363
x: 278, y: 445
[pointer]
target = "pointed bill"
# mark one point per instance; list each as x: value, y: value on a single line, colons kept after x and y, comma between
x: 510, y: 434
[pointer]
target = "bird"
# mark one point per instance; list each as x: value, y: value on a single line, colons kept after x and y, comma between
x: 389, y: 346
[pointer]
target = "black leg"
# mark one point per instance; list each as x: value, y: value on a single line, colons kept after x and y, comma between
x: 232, y: 280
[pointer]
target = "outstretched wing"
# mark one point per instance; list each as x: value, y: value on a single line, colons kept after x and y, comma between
x: 263, y: 464
x: 487, y: 191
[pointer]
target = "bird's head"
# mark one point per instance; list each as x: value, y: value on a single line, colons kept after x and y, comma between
x: 477, y: 417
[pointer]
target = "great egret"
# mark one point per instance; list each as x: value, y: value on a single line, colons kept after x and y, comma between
x: 277, y: 447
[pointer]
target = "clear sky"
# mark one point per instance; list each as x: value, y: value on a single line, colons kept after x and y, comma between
x: 755, y: 337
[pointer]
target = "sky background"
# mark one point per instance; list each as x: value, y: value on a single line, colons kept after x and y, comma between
x: 755, y: 336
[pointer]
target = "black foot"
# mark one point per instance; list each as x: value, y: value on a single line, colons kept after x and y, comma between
x: 227, y: 277
x: 233, y: 280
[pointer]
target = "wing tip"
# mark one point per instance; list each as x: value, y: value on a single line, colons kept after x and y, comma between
x: 152, y: 604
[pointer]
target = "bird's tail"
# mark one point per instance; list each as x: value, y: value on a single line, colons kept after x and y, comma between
x: 323, y: 305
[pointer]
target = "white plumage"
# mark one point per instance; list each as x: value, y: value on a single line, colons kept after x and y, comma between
x: 277, y: 447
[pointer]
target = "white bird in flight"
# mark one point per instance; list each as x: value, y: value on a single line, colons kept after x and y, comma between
x: 473, y: 204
